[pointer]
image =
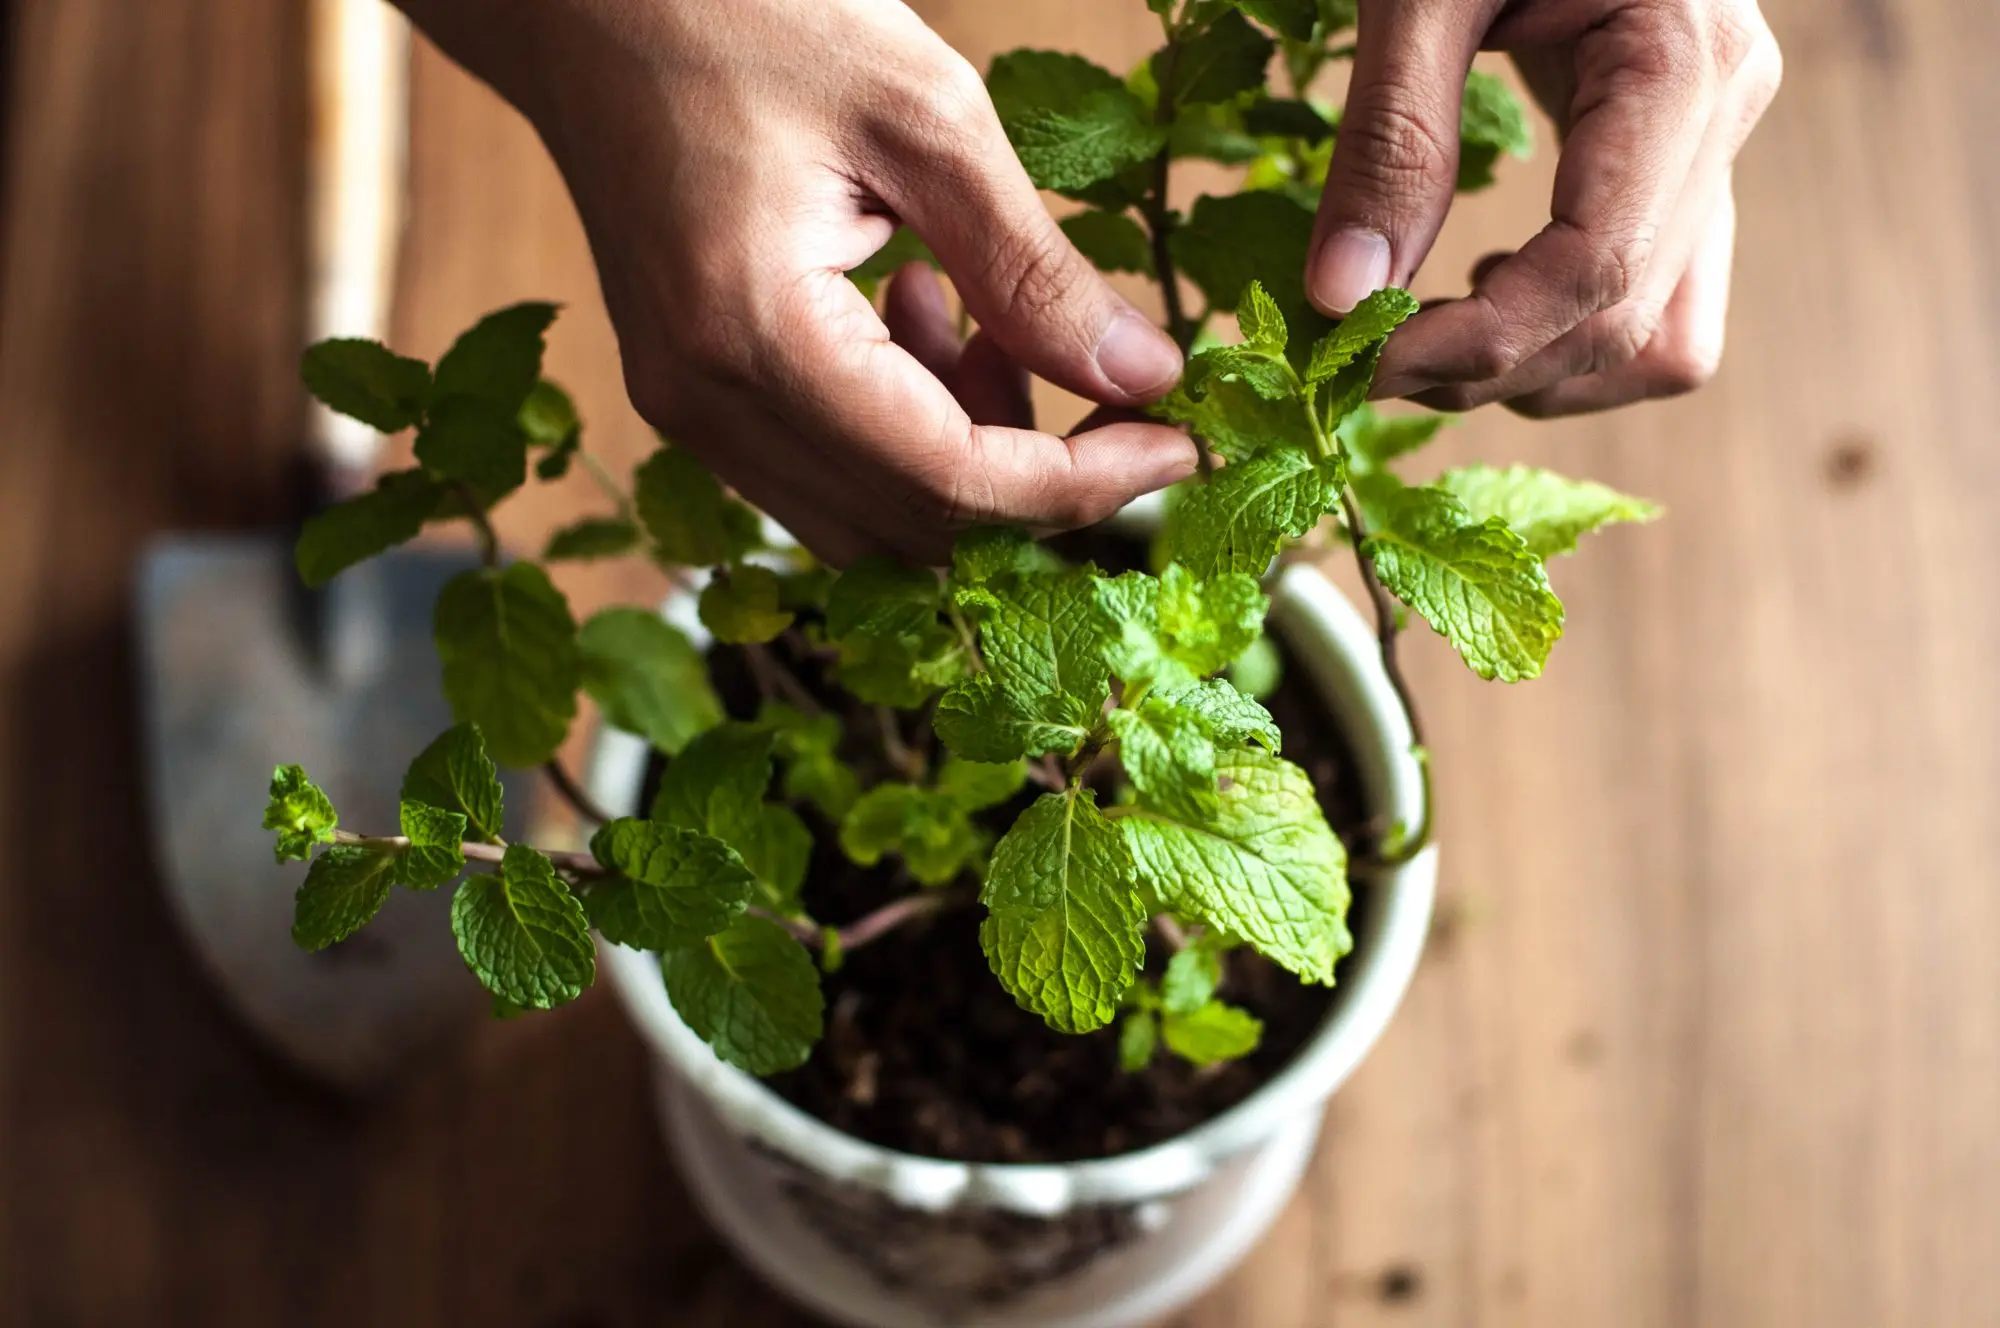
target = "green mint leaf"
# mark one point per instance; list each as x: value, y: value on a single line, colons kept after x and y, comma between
x: 970, y: 786
x: 980, y: 721
x: 370, y: 523
x: 717, y: 782
x: 1215, y: 132
x: 807, y: 747
x: 434, y: 856
x: 875, y: 825
x: 1245, y: 513
x: 477, y: 441
x: 1337, y: 15
x: 1064, y: 931
x: 1363, y: 330
x: 1228, y: 242
x: 1288, y: 119
x: 365, y: 380
x: 1209, y: 623
x: 1491, y: 121
x: 523, y: 934
x: 1263, y: 325
x: 777, y: 848
x: 1168, y: 757
x: 902, y: 248
x: 1191, y: 978
x: 901, y: 671
x: 1258, y: 670
x: 879, y: 597
x: 692, y: 521
x: 1238, y: 421
x: 1224, y: 59
x: 300, y: 812
x: 1106, y: 133
x: 985, y: 552
x: 674, y: 886
x: 344, y: 888
x: 739, y: 605
x: 548, y: 416
x: 935, y: 839
x: 509, y: 651
x: 1110, y: 240
x: 1138, y: 1038
x: 454, y: 774
x: 591, y: 538
x: 751, y: 993
x: 1229, y: 717
x: 1211, y: 1034
x: 499, y: 360
x: 1372, y: 440
x: 1265, y: 867
x: 1546, y: 510
x: 647, y: 677
x: 1023, y: 81
x: 1041, y: 638
x: 1292, y: 18
x: 1477, y: 582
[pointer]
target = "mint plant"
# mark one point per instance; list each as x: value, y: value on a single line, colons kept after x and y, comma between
x: 1115, y: 716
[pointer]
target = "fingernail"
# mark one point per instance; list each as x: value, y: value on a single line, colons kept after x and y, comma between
x: 1173, y: 466
x: 1350, y: 266
x: 1138, y: 358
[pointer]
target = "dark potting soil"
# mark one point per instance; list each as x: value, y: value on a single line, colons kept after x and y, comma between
x: 924, y: 1050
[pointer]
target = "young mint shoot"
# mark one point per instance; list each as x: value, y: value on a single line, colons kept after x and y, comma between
x: 1152, y: 805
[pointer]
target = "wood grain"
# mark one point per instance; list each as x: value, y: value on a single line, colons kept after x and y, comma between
x: 1706, y: 1036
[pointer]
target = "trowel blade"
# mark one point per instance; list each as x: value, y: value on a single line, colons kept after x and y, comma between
x: 230, y: 690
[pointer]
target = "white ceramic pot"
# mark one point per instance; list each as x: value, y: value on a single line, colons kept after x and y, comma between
x: 869, y: 1236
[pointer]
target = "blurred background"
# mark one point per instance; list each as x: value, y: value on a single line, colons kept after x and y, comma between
x: 1709, y: 1031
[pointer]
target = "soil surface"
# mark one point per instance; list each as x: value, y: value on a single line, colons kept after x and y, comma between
x: 926, y: 1053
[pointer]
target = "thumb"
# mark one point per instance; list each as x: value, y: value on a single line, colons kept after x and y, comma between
x: 1395, y: 162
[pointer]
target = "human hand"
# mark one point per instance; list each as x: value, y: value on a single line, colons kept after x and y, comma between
x: 1623, y: 295
x: 731, y: 159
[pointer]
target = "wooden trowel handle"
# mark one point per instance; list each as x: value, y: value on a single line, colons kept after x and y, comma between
x: 360, y: 140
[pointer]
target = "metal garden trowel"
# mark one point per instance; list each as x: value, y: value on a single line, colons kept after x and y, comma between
x: 245, y: 669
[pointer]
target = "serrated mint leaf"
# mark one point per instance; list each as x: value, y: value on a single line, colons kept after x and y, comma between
x: 592, y: 537
x: 1266, y: 374
x: 344, y: 888
x: 751, y: 993
x: 1211, y: 1034
x: 1477, y: 582
x: 1225, y: 58
x: 1229, y: 717
x: 1191, y: 979
x: 1265, y: 867
x: 903, y: 248
x: 1167, y: 756
x: 509, y: 652
x: 1138, y: 1037
x: 716, y: 784
x: 1112, y: 241
x: 985, y: 552
x: 1240, y: 518
x: 1238, y: 421
x: 1288, y: 119
x: 548, y: 416
x: 434, y: 855
x: 1372, y: 440
x: 1491, y: 120
x: 900, y: 671
x: 1258, y: 316
x: 777, y: 848
x: 1546, y: 510
x: 693, y: 523
x: 523, y: 934
x: 647, y: 677
x: 454, y: 774
x: 1064, y: 931
x: 674, y: 886
x: 971, y: 786
x: 1041, y: 640
x: 370, y: 523
x: 979, y: 721
x: 1025, y: 80
x: 1106, y: 133
x: 877, y: 596
x: 807, y: 747
x: 931, y: 833
x: 1209, y: 623
x: 476, y: 441
x: 739, y: 605
x: 300, y: 812
x: 1365, y: 328
x: 499, y: 360
x: 367, y: 381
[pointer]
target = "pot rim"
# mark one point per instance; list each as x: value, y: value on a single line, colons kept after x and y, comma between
x: 1339, y: 652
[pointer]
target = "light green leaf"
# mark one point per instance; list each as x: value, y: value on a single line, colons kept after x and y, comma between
x: 548, y: 417
x: 1064, y: 932
x: 1546, y: 510
x: 368, y: 382
x: 972, y: 786
x: 1040, y: 636
x: 1265, y: 867
x: 674, y: 886
x: 434, y: 855
x: 692, y: 521
x: 1265, y: 373
x: 591, y: 538
x: 740, y: 605
x: 477, y: 441
x: 499, y: 360
x: 751, y: 993
x: 1337, y: 15
x: 1366, y: 327
x: 454, y: 774
x: 509, y: 651
x: 1476, y: 581
x: 1262, y: 324
x: 777, y: 848
x: 1191, y: 978
x: 1258, y: 670
x: 985, y: 552
x: 878, y: 821
x: 807, y: 747
x: 1225, y: 58
x: 1138, y: 1037
x: 1240, y: 518
x: 1167, y: 756
x: 1209, y: 623
x: 523, y: 934
x: 877, y: 596
x: 980, y: 721
x: 300, y: 812
x: 1229, y: 717
x: 1025, y: 80
x: 344, y: 888
x: 647, y: 677
x: 370, y: 523
x: 1211, y: 1034
x: 1491, y: 120
x: 1238, y: 421
x: 1110, y: 240
x: 1372, y: 440
x: 900, y: 671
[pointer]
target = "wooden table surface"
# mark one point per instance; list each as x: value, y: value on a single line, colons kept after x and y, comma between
x: 1710, y: 1030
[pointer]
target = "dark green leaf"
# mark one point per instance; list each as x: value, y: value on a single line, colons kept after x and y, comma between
x: 878, y: 596
x: 1110, y: 240
x: 592, y: 537
x: 674, y: 886
x: 363, y: 526
x: 1224, y: 59
x: 477, y: 441
x: 1288, y: 119
x: 499, y: 360
x: 344, y: 888
x: 368, y: 382
x: 692, y: 521
x: 508, y: 648
x: 751, y: 993
x: 739, y: 605
x: 647, y: 677
x: 1293, y: 18
x: 434, y: 855
x: 1243, y: 515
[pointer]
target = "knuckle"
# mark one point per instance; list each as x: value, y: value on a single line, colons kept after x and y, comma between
x: 1030, y: 275
x: 1621, y: 334
x: 1681, y: 366
x: 940, y: 108
x: 1394, y: 143
x: 1492, y: 353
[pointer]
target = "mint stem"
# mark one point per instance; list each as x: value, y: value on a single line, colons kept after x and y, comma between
x: 489, y: 539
